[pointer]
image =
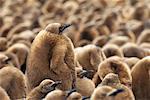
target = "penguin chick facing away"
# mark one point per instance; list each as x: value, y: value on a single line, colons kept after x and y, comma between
x: 141, y: 79
x: 43, y: 89
x: 51, y: 56
x: 117, y: 66
x: 12, y: 80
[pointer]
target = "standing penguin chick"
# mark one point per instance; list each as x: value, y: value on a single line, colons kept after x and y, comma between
x: 42, y: 90
x: 3, y: 94
x: 51, y: 56
x: 12, y: 81
x: 117, y: 66
x: 141, y: 79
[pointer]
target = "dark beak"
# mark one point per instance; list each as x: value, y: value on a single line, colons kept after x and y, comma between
x: 56, y: 83
x: 70, y: 92
x: 86, y: 73
x: 114, y: 93
x: 63, y: 27
x: 85, y: 98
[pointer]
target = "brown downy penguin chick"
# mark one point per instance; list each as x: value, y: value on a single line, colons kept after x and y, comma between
x: 84, y: 85
x: 132, y: 50
x: 51, y: 56
x: 3, y: 44
x: 144, y: 37
x: 117, y: 66
x: 75, y: 96
x: 42, y: 90
x: 3, y: 94
x: 101, y: 40
x: 100, y: 93
x: 12, y: 79
x: 21, y: 51
x: 141, y: 79
x: 112, y: 50
x: 56, y: 95
x: 131, y: 61
x: 121, y: 93
x: 109, y: 93
x: 119, y: 40
x: 89, y: 57
x: 113, y: 81
x: 63, y: 95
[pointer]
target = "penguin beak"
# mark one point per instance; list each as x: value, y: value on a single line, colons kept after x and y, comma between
x: 70, y: 92
x: 63, y: 27
x: 56, y: 84
x: 85, y: 98
x: 114, y: 93
x: 86, y: 73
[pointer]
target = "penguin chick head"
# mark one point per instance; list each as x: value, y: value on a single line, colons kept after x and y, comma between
x: 56, y: 28
x: 48, y: 85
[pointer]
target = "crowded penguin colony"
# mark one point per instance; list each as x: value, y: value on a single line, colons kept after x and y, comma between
x: 74, y: 49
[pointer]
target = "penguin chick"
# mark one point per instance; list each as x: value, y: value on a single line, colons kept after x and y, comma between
x: 141, y: 79
x: 63, y: 95
x: 100, y: 93
x: 3, y: 43
x: 75, y: 96
x: 101, y: 40
x: 112, y: 50
x: 56, y: 95
x: 3, y: 94
x: 21, y: 51
x: 84, y: 85
x: 111, y: 80
x: 132, y: 50
x: 51, y: 56
x: 12, y: 80
x: 89, y: 57
x: 43, y: 89
x: 121, y: 93
x: 144, y: 37
x: 109, y: 93
x: 117, y: 66
x: 119, y: 40
x: 131, y: 61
